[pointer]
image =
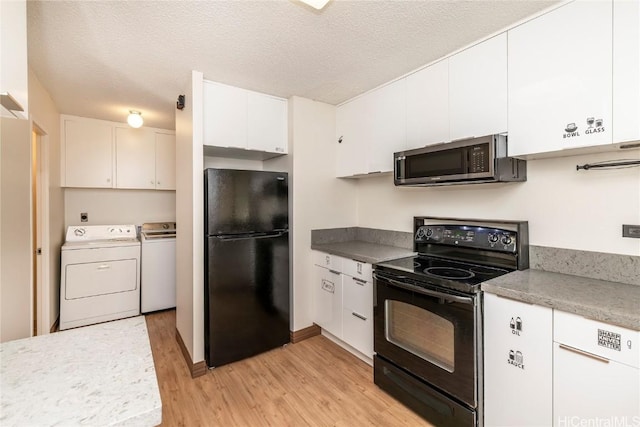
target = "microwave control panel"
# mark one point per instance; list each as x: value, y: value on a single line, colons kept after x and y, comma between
x: 479, y: 158
x: 467, y: 236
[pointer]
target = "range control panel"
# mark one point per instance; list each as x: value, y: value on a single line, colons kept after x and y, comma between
x: 468, y: 236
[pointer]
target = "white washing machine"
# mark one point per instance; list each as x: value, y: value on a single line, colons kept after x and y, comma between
x: 158, y: 282
x: 100, y: 275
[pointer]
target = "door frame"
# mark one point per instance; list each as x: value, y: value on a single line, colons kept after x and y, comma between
x: 43, y: 287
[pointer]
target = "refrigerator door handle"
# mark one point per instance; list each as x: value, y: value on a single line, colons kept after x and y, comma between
x: 250, y: 236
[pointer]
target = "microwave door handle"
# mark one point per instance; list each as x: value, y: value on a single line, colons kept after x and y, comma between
x: 423, y: 291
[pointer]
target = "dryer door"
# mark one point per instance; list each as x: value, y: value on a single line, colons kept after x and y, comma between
x: 100, y: 278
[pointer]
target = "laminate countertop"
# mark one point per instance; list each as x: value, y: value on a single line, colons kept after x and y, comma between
x: 363, y: 251
x: 100, y: 375
x: 610, y: 302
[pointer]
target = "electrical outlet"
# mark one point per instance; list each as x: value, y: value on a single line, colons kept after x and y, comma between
x: 631, y: 231
x: 84, y: 217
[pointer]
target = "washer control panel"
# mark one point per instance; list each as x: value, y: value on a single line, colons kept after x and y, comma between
x: 85, y: 233
x: 467, y: 236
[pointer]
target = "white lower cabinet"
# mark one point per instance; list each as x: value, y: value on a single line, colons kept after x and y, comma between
x: 517, y: 363
x: 343, y: 300
x: 547, y: 367
x: 328, y: 300
x: 596, y: 378
x: 357, y: 314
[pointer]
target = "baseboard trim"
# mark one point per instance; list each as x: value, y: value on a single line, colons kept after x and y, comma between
x: 196, y: 369
x: 303, y: 334
x: 54, y: 327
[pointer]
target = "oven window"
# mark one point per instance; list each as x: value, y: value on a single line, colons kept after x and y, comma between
x: 420, y: 332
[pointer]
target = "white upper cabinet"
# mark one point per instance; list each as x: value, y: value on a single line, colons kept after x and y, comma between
x: 238, y: 118
x: 13, y: 56
x: 428, y: 105
x: 370, y: 129
x: 353, y: 135
x: 225, y: 115
x: 165, y: 161
x: 135, y: 158
x: 389, y: 132
x: 101, y: 154
x: 478, y: 90
x: 87, y: 153
x: 626, y: 70
x: 145, y: 159
x: 560, y: 79
x: 267, y: 129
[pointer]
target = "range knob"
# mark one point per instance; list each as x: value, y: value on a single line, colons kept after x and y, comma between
x: 493, y: 238
x: 420, y: 233
x: 429, y: 232
x: 506, y: 240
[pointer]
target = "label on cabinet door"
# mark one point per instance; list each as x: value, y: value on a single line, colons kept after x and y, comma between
x: 609, y: 340
x: 593, y: 126
x: 516, y: 359
x: 516, y: 326
x: 328, y: 286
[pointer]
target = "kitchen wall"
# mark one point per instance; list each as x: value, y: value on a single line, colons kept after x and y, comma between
x: 565, y: 208
x: 317, y: 198
x: 46, y: 117
x: 111, y: 206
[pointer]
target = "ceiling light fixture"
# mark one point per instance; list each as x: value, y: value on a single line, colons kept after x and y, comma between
x: 135, y: 119
x: 316, y: 4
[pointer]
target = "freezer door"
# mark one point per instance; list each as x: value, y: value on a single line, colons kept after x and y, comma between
x: 246, y: 296
x: 240, y: 201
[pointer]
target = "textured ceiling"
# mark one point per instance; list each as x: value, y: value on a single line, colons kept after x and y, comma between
x: 101, y: 58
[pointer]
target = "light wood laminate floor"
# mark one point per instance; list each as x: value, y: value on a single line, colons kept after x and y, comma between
x: 311, y: 383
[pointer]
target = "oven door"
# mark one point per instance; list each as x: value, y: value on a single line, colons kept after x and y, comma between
x: 430, y: 334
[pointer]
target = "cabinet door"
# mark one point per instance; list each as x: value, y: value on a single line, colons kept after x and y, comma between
x: 478, y: 89
x: 560, y: 79
x: 135, y: 158
x: 88, y: 155
x: 518, y: 368
x: 267, y: 123
x: 389, y: 131
x: 328, y: 300
x: 428, y: 106
x: 626, y: 70
x: 587, y: 388
x: 353, y: 131
x: 357, y: 314
x: 165, y: 161
x: 225, y: 116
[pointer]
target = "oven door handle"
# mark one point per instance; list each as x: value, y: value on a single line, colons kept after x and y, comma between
x: 423, y: 291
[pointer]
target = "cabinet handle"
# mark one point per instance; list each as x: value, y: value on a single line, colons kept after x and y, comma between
x: 152, y: 182
x: 104, y: 267
x: 334, y: 272
x: 359, y: 281
x: 359, y: 316
x: 108, y: 179
x: 583, y: 353
x: 158, y: 182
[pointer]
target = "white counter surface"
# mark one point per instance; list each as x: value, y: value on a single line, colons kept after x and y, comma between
x: 100, y: 375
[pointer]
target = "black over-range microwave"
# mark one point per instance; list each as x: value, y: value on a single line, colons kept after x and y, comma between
x: 476, y: 160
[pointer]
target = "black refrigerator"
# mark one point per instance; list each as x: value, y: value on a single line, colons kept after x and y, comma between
x: 246, y: 263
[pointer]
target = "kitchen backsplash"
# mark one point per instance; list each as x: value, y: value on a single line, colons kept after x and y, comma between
x: 595, y: 265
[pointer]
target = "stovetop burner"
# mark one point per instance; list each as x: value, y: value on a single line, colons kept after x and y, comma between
x: 449, y: 273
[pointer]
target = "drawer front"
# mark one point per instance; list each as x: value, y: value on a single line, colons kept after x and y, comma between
x: 357, y: 331
x: 100, y: 278
x: 358, y: 269
x: 332, y: 262
x: 358, y: 295
x: 599, y: 338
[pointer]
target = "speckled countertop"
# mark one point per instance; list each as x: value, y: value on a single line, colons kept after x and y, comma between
x: 611, y: 302
x: 100, y: 375
x: 363, y: 251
